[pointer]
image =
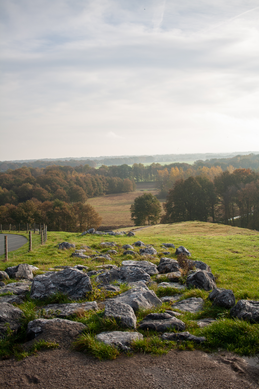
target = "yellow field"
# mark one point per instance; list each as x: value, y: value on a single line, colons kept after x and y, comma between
x: 115, y: 208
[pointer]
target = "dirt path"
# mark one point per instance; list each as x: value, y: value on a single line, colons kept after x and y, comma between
x: 176, y: 370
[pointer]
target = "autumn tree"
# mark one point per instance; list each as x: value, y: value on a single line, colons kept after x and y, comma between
x: 146, y: 208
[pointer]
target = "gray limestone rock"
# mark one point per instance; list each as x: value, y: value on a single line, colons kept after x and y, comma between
x: 168, y: 245
x: 130, y: 252
x: 10, y: 316
x: 201, y: 279
x: 161, y: 322
x: 147, y: 266
x: 130, y: 233
x: 133, y: 274
x: 148, y: 251
x: 11, y: 299
x: 171, y: 277
x: 66, y: 246
x: 139, y: 298
x: 171, y: 299
x: 222, y: 297
x: 108, y: 244
x: 205, y: 322
x: 127, y: 247
x: 122, y: 340
x: 111, y: 288
x: 3, y: 276
x: 168, y: 265
x: 64, y: 310
x: 192, y: 304
x: 112, y: 252
x: 246, y: 310
x: 108, y: 277
x: 182, y: 250
x: 17, y: 288
x: 122, y: 312
x: 201, y: 265
x: 175, y: 285
x: 81, y: 267
x: 81, y: 255
x: 139, y: 244
x: 22, y: 271
x: 180, y: 336
x: 71, y: 282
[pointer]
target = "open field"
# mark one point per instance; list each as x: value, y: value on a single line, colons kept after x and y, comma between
x: 115, y: 208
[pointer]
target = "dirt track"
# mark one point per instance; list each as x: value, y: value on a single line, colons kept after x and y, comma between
x: 176, y: 370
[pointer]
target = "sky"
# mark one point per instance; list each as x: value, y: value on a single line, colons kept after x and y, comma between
x: 86, y: 78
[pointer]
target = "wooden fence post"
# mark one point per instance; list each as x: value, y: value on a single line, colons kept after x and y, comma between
x: 6, y: 248
x: 42, y: 238
x: 30, y: 241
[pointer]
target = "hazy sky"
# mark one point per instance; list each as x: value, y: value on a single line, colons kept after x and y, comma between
x: 82, y: 78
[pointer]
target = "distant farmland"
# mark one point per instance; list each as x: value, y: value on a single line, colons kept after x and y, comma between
x: 115, y: 208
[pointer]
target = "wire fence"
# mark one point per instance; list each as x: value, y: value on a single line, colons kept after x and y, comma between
x: 10, y: 242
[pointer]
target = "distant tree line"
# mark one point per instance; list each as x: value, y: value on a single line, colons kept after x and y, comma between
x: 230, y: 198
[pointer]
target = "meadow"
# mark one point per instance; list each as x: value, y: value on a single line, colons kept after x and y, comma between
x: 232, y: 253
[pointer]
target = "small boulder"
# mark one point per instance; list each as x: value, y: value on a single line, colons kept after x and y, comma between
x: 139, y: 298
x: 11, y: 317
x: 192, y: 304
x: 147, y: 266
x: 201, y: 279
x: 108, y: 244
x: 133, y: 274
x: 3, y: 276
x: 180, y: 336
x: 182, y: 250
x: 130, y: 252
x: 168, y: 265
x: 205, y: 322
x: 22, y: 271
x: 17, y: 288
x: 223, y: 298
x: 174, y: 285
x: 127, y: 247
x: 201, y: 265
x: 122, y: 312
x: 139, y: 244
x: 246, y: 310
x: 66, y: 246
x: 148, y: 251
x: 64, y: 310
x: 119, y: 339
x: 168, y: 245
x: 171, y: 277
x: 161, y: 322
x: 130, y: 233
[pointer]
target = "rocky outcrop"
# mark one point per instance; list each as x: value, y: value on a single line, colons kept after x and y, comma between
x: 223, y: 298
x: 119, y: 339
x: 71, y: 282
x: 161, y: 322
x: 201, y: 279
x: 246, y: 310
x: 168, y: 265
x: 64, y: 310
x: 11, y: 317
x: 121, y: 312
x: 192, y: 304
x: 147, y: 266
x: 17, y: 288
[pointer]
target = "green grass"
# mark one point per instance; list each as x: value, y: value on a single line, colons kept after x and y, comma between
x: 232, y: 253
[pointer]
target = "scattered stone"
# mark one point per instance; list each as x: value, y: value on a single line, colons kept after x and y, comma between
x: 130, y: 233
x: 173, y: 313
x: 112, y: 252
x: 11, y: 299
x: 66, y: 246
x: 93, y: 273
x: 90, y: 231
x: 148, y: 251
x: 81, y: 267
x: 161, y: 322
x: 102, y: 257
x: 57, y: 330
x: 192, y: 304
x: 246, y: 310
x: 17, y: 288
x: 139, y: 244
x: 2, y: 284
x: 168, y: 265
x: 222, y: 297
x: 166, y: 253
x: 108, y: 277
x: 171, y: 277
x: 22, y: 271
x: 107, y: 266
x: 127, y: 247
x: 201, y: 265
x: 171, y: 299
x: 182, y: 250
x: 111, y: 288
x: 205, y: 322
x: 201, y: 279
x: 122, y: 312
x: 129, y: 252
x: 108, y: 244
x: 3, y: 276
x: 139, y: 298
x: 180, y: 336
x: 168, y: 245
x: 122, y: 340
x: 81, y: 255
x: 175, y: 285
x: 71, y: 282
x: 64, y: 310
x: 133, y: 274
x: 9, y: 316
x: 147, y: 266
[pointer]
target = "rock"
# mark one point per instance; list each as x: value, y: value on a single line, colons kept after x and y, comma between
x: 138, y: 284
x: 201, y: 265
x: 119, y: 339
x: 71, y: 282
x: 108, y: 244
x: 166, y: 253
x: 168, y: 245
x: 205, y: 322
x: 108, y: 277
x: 175, y: 285
x: 64, y: 310
x: 127, y: 247
x: 80, y: 267
x: 170, y: 299
x: 122, y: 312
x: 173, y: 313
x: 3, y: 276
x: 171, y: 277
x: 192, y: 304
x: 148, y: 251
x: 182, y: 250
x: 80, y: 255
x: 129, y: 252
x: 111, y: 288
x: 2, y: 284
x: 161, y: 322
x: 139, y: 244
x: 106, y: 266
x: 66, y: 246
x: 22, y: 271
x: 246, y: 310
x: 222, y: 297
x: 11, y: 299
x: 130, y: 233
x: 147, y: 266
x: 139, y: 298
x: 102, y: 258
x: 201, y: 279
x: 17, y: 288
x: 99, y: 233
x: 113, y: 252
x: 57, y: 330
x: 93, y: 273
x: 133, y: 274
x: 9, y: 316
x: 168, y: 265
x: 90, y: 231
x: 183, y: 336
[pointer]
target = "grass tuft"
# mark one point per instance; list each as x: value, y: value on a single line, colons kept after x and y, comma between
x: 88, y: 344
